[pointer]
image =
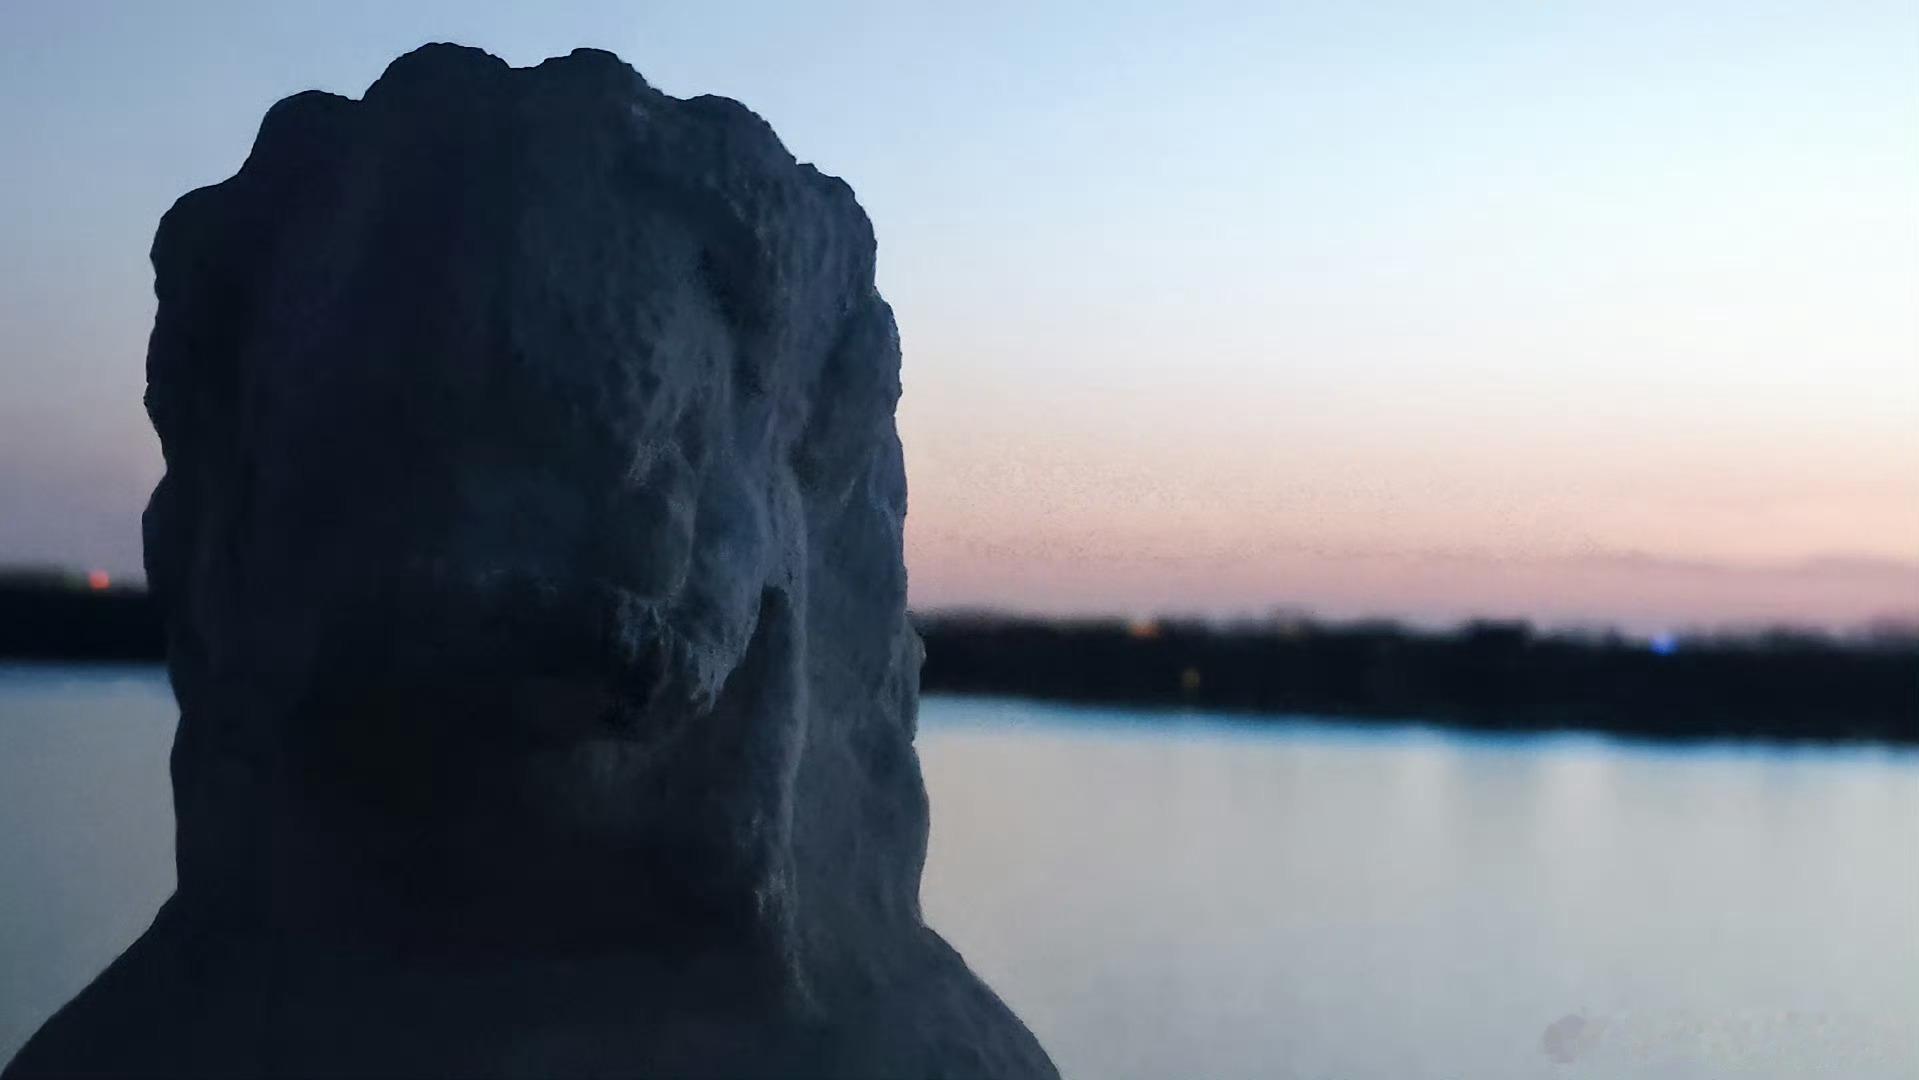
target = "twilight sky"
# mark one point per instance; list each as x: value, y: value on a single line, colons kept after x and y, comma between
x: 1601, y: 312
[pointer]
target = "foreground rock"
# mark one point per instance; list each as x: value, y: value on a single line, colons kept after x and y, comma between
x: 530, y: 542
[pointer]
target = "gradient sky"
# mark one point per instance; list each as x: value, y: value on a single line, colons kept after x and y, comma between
x: 1603, y: 312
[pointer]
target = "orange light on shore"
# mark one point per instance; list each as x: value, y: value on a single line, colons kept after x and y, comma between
x: 98, y: 580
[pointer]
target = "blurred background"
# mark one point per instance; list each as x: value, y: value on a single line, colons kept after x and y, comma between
x: 1336, y: 414
x: 1596, y: 313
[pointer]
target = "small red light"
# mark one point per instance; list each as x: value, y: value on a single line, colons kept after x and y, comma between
x: 98, y: 580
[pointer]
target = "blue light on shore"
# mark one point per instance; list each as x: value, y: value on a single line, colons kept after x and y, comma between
x: 1664, y: 644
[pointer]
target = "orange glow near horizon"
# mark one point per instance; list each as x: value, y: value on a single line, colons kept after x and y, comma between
x: 99, y: 580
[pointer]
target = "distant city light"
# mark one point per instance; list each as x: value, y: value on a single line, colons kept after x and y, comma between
x: 98, y: 580
x: 1663, y: 644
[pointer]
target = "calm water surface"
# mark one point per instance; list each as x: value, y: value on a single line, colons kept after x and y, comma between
x: 1177, y: 895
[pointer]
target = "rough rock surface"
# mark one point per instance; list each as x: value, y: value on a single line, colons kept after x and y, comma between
x: 530, y: 542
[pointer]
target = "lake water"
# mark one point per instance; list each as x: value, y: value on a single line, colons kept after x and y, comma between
x: 1178, y: 895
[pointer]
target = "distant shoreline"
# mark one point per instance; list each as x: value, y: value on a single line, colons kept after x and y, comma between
x: 49, y: 616
x: 1487, y: 677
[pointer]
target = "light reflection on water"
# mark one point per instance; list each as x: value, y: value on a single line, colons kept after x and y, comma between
x: 1166, y: 895
x: 1213, y: 898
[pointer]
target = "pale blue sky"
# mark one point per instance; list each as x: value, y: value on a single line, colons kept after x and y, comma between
x: 1411, y: 308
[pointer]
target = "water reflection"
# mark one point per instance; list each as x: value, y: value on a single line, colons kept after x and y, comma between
x: 1184, y: 896
x: 1222, y: 900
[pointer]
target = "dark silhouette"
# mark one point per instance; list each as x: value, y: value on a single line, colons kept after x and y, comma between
x: 48, y: 615
x: 1497, y: 676
x: 529, y: 551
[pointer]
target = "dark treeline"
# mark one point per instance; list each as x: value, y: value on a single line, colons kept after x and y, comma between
x: 1494, y: 676
x: 52, y: 615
